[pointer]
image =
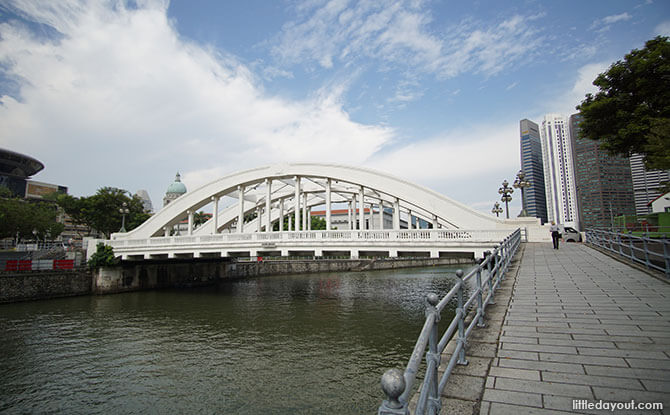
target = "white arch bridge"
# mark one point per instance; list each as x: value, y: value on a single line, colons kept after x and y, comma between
x: 264, y: 211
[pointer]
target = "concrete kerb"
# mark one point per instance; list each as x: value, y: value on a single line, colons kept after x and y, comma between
x: 465, y: 389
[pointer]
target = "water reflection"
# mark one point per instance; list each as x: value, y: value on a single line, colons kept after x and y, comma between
x: 285, y: 344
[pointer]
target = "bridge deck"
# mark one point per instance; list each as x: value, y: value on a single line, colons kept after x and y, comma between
x: 580, y: 325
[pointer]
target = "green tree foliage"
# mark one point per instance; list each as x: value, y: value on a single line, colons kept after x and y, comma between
x: 631, y: 111
x: 103, y: 257
x: 318, y: 224
x: 101, y: 211
x: 21, y: 218
x: 199, y: 218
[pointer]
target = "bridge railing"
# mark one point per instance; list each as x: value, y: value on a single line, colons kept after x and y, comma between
x: 399, y: 385
x: 654, y: 253
x: 405, y: 235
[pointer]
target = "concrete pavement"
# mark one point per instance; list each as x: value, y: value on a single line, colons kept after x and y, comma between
x: 579, y: 326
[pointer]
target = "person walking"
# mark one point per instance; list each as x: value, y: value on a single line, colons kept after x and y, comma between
x: 555, y: 234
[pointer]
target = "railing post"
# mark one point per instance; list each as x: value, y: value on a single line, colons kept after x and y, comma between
x: 434, y: 403
x: 646, y: 252
x: 630, y: 239
x: 461, y: 324
x: 393, y: 385
x: 490, y: 266
x: 480, y: 301
x: 664, y: 241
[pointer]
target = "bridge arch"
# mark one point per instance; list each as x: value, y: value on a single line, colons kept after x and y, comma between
x: 291, y: 189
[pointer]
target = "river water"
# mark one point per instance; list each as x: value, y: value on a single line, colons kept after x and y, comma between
x: 290, y: 344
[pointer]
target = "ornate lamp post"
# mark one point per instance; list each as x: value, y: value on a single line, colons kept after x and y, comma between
x: 496, y: 209
x: 520, y: 183
x: 123, y: 211
x: 506, y: 195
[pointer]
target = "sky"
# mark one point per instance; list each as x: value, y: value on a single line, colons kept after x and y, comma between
x: 128, y: 93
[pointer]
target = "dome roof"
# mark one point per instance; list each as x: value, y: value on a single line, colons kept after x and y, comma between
x: 176, y: 187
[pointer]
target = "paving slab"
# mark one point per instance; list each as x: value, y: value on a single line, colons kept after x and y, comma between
x: 591, y: 327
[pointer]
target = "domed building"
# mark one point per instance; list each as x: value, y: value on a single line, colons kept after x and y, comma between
x: 174, y: 190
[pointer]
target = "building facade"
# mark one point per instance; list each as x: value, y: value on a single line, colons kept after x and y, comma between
x: 559, y: 183
x: 646, y: 183
x: 603, y: 182
x: 533, y: 168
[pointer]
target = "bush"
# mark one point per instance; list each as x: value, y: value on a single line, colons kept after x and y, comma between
x: 103, y: 257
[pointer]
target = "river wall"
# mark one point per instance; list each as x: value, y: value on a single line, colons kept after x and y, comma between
x: 129, y: 276
x: 37, y: 285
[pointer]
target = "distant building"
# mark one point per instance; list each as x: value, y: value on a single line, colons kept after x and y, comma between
x: 339, y: 219
x: 174, y: 190
x: 146, y: 201
x: 559, y: 183
x: 660, y: 204
x: 603, y: 182
x: 646, y: 183
x: 532, y: 166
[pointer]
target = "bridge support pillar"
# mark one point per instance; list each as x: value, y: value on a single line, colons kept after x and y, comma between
x: 284, y: 252
x: 196, y: 254
x: 170, y: 255
x: 434, y: 253
x: 393, y: 253
x: 354, y: 253
x: 318, y: 251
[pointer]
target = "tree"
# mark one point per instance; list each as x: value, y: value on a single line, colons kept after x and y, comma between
x: 27, y: 219
x: 631, y: 111
x: 101, y: 211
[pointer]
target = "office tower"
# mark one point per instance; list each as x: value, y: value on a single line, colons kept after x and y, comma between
x: 645, y: 183
x: 603, y: 182
x: 559, y: 182
x: 531, y: 165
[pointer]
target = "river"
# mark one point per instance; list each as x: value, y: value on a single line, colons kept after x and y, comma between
x: 290, y: 344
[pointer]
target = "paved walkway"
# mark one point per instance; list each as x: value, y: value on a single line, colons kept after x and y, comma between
x: 580, y: 325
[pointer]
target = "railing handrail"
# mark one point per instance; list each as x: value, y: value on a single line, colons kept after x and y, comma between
x: 619, y: 243
x: 398, y: 385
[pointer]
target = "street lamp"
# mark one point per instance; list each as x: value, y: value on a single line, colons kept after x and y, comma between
x: 520, y: 183
x: 123, y: 211
x: 496, y: 209
x: 506, y: 195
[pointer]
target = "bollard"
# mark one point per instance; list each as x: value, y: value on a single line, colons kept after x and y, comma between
x: 461, y: 324
x: 393, y: 385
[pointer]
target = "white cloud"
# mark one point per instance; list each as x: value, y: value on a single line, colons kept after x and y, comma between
x: 663, y: 29
x: 616, y: 18
x: 604, y: 24
x: 399, y: 32
x: 459, y: 161
x: 121, y: 99
x: 582, y: 85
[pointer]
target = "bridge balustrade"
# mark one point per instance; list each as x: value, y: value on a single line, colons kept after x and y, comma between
x: 350, y: 235
x: 399, y: 385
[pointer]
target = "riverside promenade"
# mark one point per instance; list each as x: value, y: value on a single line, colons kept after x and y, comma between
x: 569, y: 324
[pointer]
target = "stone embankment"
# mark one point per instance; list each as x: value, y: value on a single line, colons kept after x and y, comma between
x: 146, y: 275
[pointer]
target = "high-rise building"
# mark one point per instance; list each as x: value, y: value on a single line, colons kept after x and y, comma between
x: 559, y: 182
x: 146, y: 200
x: 603, y: 182
x: 646, y: 183
x: 532, y: 166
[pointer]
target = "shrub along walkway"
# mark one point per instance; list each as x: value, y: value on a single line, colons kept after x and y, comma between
x: 580, y: 326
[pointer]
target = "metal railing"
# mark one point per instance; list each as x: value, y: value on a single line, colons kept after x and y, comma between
x: 654, y: 253
x: 398, y: 385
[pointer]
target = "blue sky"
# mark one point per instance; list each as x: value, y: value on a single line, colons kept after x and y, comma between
x: 126, y: 94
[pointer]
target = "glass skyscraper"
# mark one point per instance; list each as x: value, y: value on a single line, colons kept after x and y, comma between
x: 603, y: 182
x: 531, y: 165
